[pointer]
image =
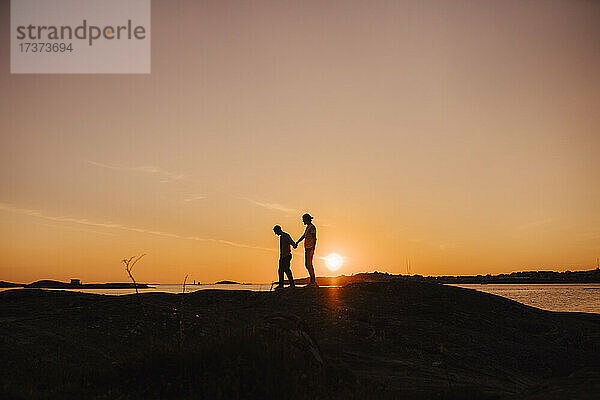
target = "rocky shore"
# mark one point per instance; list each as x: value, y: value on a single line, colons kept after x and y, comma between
x: 396, y: 339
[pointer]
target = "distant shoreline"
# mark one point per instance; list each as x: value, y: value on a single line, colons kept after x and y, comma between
x: 524, y: 277
x: 50, y: 284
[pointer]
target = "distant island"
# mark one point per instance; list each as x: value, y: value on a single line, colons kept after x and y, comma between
x: 525, y: 277
x: 74, y: 284
x: 590, y: 276
x: 4, y: 284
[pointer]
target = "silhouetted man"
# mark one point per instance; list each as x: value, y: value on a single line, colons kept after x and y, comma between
x: 310, y: 242
x: 285, y: 255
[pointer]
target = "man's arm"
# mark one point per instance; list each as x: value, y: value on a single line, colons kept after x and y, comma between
x: 294, y: 244
x: 301, y: 238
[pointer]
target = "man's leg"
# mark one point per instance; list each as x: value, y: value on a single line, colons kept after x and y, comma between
x: 308, y: 262
x: 280, y: 272
x: 288, y: 271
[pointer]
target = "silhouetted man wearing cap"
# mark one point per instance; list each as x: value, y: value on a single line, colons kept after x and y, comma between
x: 310, y: 242
x: 285, y: 255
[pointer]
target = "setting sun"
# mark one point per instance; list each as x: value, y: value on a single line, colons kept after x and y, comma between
x: 333, y: 261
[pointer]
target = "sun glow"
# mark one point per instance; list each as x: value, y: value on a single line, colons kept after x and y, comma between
x: 333, y: 261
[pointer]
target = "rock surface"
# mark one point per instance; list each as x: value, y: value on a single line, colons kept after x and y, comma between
x: 398, y: 338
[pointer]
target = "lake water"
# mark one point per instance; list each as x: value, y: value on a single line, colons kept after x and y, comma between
x: 552, y: 297
x: 169, y: 288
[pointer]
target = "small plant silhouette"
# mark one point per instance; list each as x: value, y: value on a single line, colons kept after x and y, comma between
x: 181, y: 313
x: 129, y: 264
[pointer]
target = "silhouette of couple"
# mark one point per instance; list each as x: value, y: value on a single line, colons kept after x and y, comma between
x: 285, y: 251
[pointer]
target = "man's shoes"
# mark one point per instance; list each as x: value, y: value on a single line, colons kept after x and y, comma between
x: 278, y: 287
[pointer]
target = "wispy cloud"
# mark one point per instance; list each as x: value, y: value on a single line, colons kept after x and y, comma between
x: 448, y: 246
x: 194, y: 198
x: 535, y: 224
x: 592, y: 235
x: 164, y: 176
x: 78, y: 229
x: 112, y: 225
x: 273, y: 206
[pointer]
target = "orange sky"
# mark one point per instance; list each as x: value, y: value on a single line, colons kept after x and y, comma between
x: 464, y: 135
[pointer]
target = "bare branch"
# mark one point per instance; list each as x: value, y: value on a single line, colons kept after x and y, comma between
x: 129, y: 263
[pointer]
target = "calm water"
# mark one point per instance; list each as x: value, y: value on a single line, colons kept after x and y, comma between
x: 168, y: 288
x: 558, y: 297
